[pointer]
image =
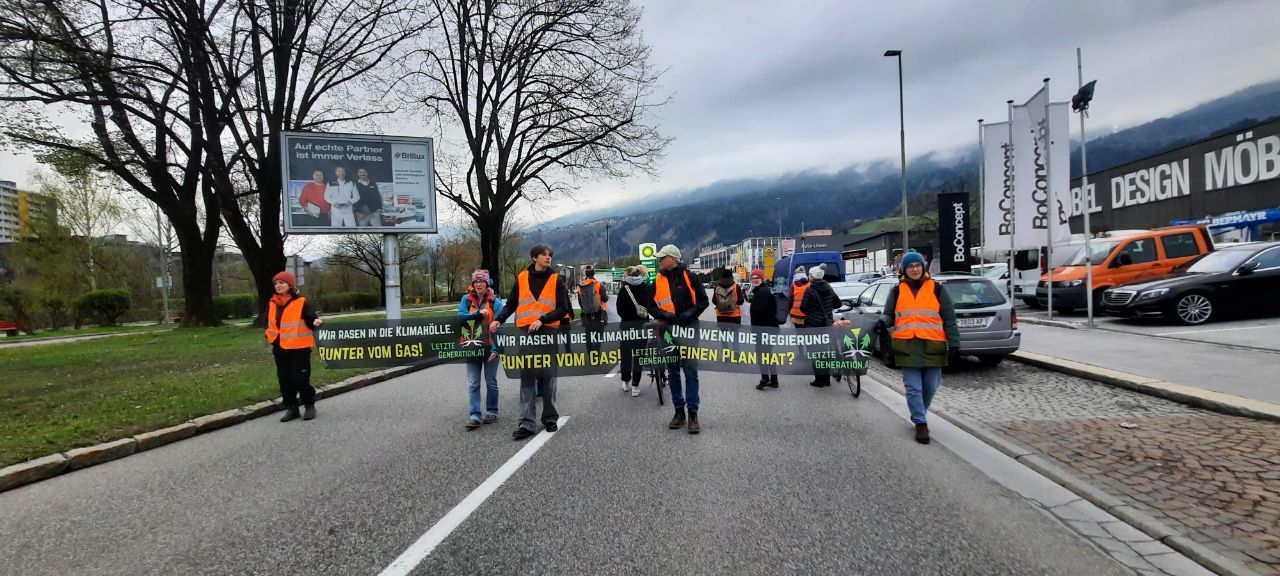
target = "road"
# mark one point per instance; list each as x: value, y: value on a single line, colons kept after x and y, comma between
x: 1248, y: 332
x: 794, y: 480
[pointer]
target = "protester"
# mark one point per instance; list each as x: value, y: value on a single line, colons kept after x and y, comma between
x: 728, y: 299
x: 922, y: 321
x: 679, y: 299
x: 591, y: 301
x: 634, y: 297
x: 764, y: 312
x: 541, y: 302
x: 290, y: 323
x: 312, y: 200
x: 818, y: 305
x: 799, y: 284
x: 482, y: 305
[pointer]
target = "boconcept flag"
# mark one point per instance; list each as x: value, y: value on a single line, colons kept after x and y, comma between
x: 1047, y: 160
x: 1024, y: 182
x: 997, y: 192
x: 953, y: 232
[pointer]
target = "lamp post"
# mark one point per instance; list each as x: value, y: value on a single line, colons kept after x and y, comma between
x: 902, y: 137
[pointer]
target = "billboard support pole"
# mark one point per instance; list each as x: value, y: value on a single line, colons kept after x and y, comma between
x: 391, y: 266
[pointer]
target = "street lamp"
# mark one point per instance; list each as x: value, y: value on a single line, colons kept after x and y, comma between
x: 902, y: 136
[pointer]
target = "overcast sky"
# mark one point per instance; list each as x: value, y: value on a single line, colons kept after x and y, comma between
x: 766, y: 87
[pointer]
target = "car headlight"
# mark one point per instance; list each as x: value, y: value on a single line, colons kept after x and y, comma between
x: 1069, y: 283
x: 1151, y: 294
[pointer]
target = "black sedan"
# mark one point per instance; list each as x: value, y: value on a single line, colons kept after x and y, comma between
x: 1232, y: 279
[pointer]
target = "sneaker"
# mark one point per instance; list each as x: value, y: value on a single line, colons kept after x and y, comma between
x: 922, y: 433
x: 635, y: 391
x: 678, y: 420
x: 763, y: 383
x: 291, y: 414
x: 694, y: 427
x: 489, y: 419
x: 472, y: 424
x: 551, y: 426
x: 626, y: 385
x: 309, y: 412
x: 522, y: 434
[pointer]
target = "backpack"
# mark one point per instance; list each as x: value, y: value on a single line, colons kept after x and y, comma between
x: 589, y: 299
x: 725, y: 299
x: 640, y: 311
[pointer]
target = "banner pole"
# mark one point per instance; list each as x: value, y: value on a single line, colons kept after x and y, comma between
x: 391, y: 268
x: 982, y: 180
x: 1048, y: 176
x: 1084, y: 201
x: 1013, y: 207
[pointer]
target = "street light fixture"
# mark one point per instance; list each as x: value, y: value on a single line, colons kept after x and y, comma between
x: 902, y: 137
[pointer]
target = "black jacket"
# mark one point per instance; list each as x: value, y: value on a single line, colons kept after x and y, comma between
x: 819, y: 304
x: 627, y: 307
x: 688, y: 306
x: 764, y: 306
x: 538, y: 281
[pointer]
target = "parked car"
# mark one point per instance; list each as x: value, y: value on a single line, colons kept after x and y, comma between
x: 1119, y: 261
x: 1231, y: 280
x: 848, y: 291
x: 865, y: 277
x: 987, y: 320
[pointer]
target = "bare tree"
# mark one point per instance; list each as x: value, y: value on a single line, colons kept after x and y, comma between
x: 542, y: 92
x: 459, y: 257
x: 87, y: 200
x: 363, y: 253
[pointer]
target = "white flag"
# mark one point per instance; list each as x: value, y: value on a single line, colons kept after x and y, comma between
x: 1048, y: 160
x: 1025, y: 233
x: 997, y: 193
x: 1060, y: 169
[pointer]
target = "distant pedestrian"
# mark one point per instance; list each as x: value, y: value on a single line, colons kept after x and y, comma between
x: 818, y: 306
x: 679, y: 300
x: 291, y: 321
x: 764, y: 312
x: 728, y: 299
x: 922, y: 322
x: 592, y: 300
x: 541, y: 302
x: 480, y: 304
x: 799, y: 284
x: 633, y: 299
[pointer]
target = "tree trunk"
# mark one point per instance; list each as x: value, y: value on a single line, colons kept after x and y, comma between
x: 197, y: 278
x: 490, y: 226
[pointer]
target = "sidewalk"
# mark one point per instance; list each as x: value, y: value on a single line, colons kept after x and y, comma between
x: 1245, y: 373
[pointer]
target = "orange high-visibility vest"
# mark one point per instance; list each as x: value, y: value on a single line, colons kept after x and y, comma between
x: 292, y: 329
x: 797, y: 298
x: 662, y: 292
x: 599, y: 292
x: 918, y: 315
x: 528, y: 308
x: 737, y: 310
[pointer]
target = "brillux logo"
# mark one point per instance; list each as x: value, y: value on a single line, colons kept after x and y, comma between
x: 410, y: 156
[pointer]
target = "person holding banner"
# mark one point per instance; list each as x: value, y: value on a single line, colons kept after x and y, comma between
x: 633, y: 300
x: 764, y: 312
x: 541, y: 302
x: 482, y: 305
x: 799, y: 285
x: 291, y: 321
x: 818, y: 305
x: 679, y: 299
x: 922, y: 323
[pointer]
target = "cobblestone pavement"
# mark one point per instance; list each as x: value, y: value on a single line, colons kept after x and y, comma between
x: 1212, y: 477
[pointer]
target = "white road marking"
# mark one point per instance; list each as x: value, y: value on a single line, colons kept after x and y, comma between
x: 613, y: 372
x: 423, y: 547
x: 1213, y: 330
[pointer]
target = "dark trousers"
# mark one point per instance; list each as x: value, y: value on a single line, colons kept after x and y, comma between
x: 594, y: 323
x: 293, y: 370
x: 630, y: 368
x: 820, y: 375
x: 766, y: 370
x: 533, y: 382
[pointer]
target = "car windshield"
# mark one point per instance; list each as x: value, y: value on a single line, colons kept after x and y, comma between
x: 975, y: 293
x: 995, y: 272
x: 850, y: 291
x: 1100, y: 251
x: 1220, y: 261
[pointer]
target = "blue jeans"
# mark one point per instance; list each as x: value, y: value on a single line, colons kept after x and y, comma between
x: 921, y: 385
x: 490, y: 369
x: 682, y: 396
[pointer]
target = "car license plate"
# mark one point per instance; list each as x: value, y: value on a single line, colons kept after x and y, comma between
x: 971, y: 322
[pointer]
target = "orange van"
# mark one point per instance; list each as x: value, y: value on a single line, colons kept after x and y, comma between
x: 1119, y: 261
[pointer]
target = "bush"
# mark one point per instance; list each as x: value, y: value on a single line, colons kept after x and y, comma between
x: 56, y: 311
x: 105, y: 305
x: 343, y: 301
x: 15, y: 304
x: 235, y: 305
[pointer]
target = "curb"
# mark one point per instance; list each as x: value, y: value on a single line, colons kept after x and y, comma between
x: 1142, y: 521
x: 1216, y: 401
x: 45, y: 467
x: 1044, y: 322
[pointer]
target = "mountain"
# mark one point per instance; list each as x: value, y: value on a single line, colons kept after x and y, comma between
x: 730, y: 210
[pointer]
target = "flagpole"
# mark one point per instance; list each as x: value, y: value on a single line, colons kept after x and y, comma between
x: 982, y: 180
x: 1013, y: 197
x: 1048, y: 176
x: 1084, y: 201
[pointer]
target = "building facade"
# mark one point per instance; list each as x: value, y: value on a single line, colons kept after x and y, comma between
x: 20, y: 211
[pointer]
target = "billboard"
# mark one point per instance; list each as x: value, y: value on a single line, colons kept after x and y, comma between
x: 953, y: 232
x: 357, y: 183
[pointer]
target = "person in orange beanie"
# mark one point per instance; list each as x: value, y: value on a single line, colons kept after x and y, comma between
x: 291, y: 321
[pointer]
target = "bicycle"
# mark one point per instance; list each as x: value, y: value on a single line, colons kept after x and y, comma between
x: 853, y: 379
x: 658, y: 376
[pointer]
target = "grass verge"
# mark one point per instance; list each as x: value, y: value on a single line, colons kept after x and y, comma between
x: 86, y: 331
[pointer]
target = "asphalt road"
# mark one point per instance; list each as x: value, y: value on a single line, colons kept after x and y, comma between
x: 794, y: 480
x: 1249, y: 332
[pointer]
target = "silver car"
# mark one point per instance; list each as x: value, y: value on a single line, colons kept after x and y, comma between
x: 988, y: 323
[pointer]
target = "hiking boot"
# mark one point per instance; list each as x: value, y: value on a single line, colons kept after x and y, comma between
x: 472, y: 424
x: 489, y: 419
x: 773, y: 381
x: 922, y: 433
x: 290, y: 414
x: 678, y: 420
x: 522, y: 434
x: 694, y: 427
x: 551, y: 426
x: 309, y: 412
x: 763, y: 383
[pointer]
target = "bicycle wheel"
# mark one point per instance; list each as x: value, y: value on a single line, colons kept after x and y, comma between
x: 855, y: 383
x: 660, y: 382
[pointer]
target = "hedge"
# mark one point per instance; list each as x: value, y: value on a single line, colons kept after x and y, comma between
x: 235, y: 305
x: 343, y: 301
x: 104, y: 305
